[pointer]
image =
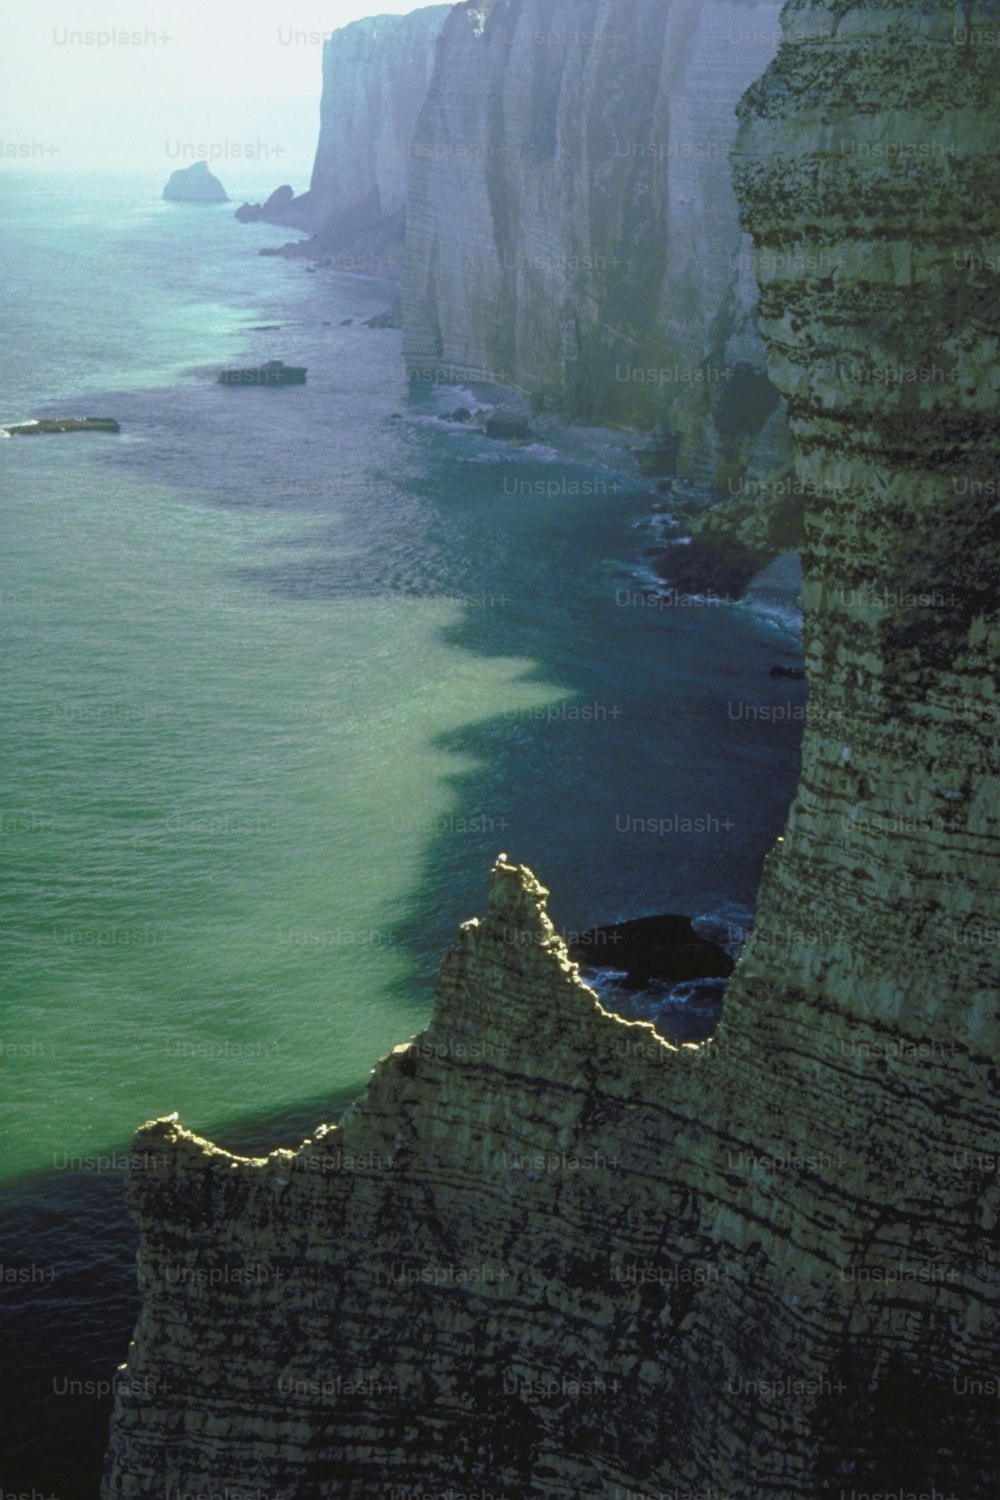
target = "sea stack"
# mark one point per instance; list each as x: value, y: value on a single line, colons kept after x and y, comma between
x: 195, y: 184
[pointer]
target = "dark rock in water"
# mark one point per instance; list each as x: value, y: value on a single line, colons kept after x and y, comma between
x: 391, y: 318
x: 797, y: 674
x: 64, y: 424
x: 266, y: 327
x: 665, y: 947
x: 280, y: 199
x: 463, y: 414
x: 274, y: 372
x: 507, y: 424
x: 346, y: 322
x: 282, y: 207
x: 711, y: 565
x: 195, y: 184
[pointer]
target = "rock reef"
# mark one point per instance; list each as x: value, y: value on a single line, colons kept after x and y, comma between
x: 548, y: 1254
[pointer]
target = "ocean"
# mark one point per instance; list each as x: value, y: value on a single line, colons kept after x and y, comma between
x: 285, y: 670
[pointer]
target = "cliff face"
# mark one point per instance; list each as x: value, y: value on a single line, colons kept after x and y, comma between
x: 572, y: 228
x: 547, y: 1254
x: 376, y: 74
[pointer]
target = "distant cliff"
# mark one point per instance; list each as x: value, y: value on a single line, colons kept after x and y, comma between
x: 572, y: 227
x: 546, y: 1254
x: 376, y: 74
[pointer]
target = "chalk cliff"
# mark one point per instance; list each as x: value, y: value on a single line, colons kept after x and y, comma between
x: 572, y: 228
x: 547, y: 1254
x: 376, y: 74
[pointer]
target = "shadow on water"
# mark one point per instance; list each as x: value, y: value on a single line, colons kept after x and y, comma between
x: 590, y: 788
x: 583, y: 800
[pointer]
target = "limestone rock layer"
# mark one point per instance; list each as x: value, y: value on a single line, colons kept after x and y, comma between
x: 546, y: 1254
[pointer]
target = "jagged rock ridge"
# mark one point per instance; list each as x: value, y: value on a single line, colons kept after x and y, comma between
x: 546, y: 1254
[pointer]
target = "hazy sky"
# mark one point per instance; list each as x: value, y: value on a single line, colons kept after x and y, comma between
x: 74, y: 93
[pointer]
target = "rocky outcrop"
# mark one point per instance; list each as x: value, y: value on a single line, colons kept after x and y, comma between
x: 548, y: 1254
x: 194, y: 184
x: 280, y: 207
x: 572, y: 228
x: 664, y: 947
x: 376, y: 74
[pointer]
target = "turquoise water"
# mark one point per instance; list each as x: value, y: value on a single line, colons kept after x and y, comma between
x: 286, y: 670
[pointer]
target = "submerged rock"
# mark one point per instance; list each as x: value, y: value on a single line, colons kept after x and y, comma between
x: 63, y: 424
x: 194, y: 184
x: 274, y: 372
x: 665, y: 947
